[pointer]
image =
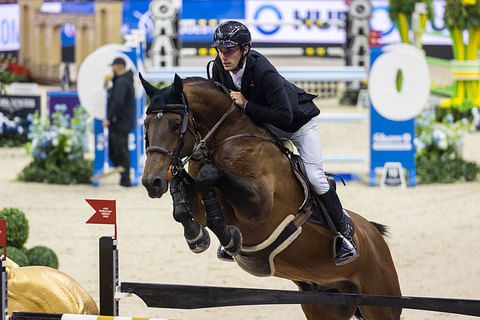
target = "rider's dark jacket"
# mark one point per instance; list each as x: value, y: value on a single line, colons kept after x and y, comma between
x: 271, y: 98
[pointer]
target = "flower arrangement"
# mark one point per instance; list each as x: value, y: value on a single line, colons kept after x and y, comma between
x: 438, y: 149
x: 13, y: 131
x: 12, y: 71
x: 58, y: 147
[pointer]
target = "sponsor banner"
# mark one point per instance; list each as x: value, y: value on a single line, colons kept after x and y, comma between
x: 19, y: 106
x: 285, y: 12
x: 136, y: 15
x: 9, y: 27
x: 207, y: 10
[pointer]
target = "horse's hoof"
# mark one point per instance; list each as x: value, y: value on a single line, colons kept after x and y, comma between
x: 235, y: 244
x: 223, y: 255
x: 201, y: 242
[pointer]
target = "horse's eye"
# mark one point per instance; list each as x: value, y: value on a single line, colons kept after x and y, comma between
x: 175, y: 125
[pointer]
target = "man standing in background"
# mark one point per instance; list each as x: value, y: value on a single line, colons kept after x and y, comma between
x: 120, y: 118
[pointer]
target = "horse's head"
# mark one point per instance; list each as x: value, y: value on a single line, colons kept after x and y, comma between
x: 165, y: 134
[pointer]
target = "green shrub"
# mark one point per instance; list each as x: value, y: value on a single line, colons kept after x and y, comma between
x: 17, y: 227
x: 42, y: 256
x: 18, y: 256
x: 446, y: 170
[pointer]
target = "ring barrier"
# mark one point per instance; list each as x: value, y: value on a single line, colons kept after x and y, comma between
x: 340, y: 73
x: 195, y: 297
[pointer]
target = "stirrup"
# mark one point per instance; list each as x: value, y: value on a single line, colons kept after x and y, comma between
x: 223, y: 255
x: 349, y: 252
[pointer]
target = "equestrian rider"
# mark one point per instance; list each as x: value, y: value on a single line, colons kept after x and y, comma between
x: 286, y: 110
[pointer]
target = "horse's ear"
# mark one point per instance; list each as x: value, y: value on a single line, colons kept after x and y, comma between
x: 177, y: 85
x: 149, y: 89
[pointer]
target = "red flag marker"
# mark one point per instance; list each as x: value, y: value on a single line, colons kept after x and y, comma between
x: 105, y: 212
x: 3, y: 237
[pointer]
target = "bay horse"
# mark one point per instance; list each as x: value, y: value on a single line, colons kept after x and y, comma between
x: 242, y: 187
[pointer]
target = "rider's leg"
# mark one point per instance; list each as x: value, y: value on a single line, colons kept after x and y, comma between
x: 307, y: 141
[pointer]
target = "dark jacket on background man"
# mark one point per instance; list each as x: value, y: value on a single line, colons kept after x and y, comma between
x: 121, y: 103
x: 271, y: 98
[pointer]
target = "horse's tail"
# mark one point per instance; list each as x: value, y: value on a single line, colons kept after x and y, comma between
x: 381, y: 227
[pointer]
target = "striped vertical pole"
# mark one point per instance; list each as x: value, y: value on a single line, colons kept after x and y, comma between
x: 108, y: 276
x: 4, y: 290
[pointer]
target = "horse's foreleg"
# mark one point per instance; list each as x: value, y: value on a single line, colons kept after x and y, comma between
x: 229, y: 236
x: 196, y: 235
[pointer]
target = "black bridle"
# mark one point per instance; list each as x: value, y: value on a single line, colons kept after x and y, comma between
x: 176, y: 163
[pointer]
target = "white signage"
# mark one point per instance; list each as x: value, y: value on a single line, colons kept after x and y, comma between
x: 285, y: 12
x: 9, y: 27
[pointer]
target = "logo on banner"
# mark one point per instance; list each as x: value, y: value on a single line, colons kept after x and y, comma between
x: 382, y: 141
x: 267, y: 10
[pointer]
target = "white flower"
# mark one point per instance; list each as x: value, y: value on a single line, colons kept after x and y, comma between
x: 419, y: 145
x: 439, y: 135
x: 442, y: 144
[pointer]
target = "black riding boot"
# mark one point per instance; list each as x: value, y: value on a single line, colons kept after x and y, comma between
x: 344, y: 248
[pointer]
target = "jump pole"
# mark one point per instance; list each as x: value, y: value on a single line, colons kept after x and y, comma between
x: 196, y: 297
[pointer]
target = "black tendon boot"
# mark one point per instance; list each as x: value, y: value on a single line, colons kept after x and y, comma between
x: 344, y: 248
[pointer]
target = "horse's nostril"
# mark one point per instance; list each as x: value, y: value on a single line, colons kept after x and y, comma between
x: 157, y: 182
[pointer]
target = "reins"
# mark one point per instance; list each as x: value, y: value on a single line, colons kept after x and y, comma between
x: 199, y: 150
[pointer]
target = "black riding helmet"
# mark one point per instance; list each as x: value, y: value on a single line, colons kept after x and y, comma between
x: 230, y: 34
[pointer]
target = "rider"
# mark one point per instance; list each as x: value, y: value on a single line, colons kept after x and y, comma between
x: 288, y: 111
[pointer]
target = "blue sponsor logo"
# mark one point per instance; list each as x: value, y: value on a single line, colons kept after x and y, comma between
x: 261, y: 10
x: 387, y: 27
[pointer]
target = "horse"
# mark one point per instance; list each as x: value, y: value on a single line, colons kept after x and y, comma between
x: 241, y: 185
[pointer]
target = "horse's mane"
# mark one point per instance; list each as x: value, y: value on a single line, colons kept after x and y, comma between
x: 205, y: 82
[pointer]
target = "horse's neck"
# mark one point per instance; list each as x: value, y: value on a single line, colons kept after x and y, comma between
x: 208, y: 114
x: 237, y: 122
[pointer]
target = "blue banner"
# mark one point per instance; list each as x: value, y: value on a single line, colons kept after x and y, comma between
x: 390, y: 141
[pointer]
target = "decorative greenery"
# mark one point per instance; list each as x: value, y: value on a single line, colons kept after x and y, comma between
x: 17, y: 226
x: 400, y: 12
x: 11, y: 71
x: 461, y: 16
x: 18, y: 256
x: 17, y: 235
x: 438, y: 149
x: 58, y: 149
x: 407, y: 7
x: 42, y: 256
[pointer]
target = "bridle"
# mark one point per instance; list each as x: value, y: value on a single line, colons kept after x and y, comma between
x: 176, y: 163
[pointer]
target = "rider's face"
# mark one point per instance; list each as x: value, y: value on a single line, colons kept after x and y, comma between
x: 230, y: 57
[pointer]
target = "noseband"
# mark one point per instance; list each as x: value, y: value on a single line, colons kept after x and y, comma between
x: 183, y: 109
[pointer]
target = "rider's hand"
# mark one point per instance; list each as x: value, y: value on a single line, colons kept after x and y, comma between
x: 238, y: 99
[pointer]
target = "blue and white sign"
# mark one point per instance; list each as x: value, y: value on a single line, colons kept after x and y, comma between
x: 286, y: 12
x: 9, y: 27
x: 399, y: 86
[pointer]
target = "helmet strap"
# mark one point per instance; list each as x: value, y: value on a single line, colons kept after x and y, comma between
x: 243, y: 57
